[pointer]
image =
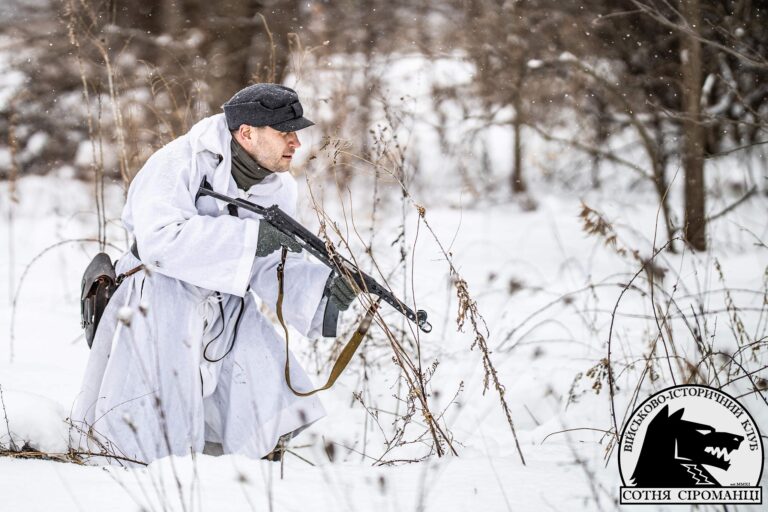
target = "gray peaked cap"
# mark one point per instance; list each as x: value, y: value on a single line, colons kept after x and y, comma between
x: 266, y: 105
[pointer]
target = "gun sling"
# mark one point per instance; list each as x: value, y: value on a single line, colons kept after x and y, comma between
x: 347, y: 352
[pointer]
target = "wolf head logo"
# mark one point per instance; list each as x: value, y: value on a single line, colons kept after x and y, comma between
x: 675, y: 451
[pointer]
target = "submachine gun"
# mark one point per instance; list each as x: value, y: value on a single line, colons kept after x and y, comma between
x: 317, y: 248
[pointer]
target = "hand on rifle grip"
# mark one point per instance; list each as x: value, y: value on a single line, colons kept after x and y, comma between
x: 271, y: 239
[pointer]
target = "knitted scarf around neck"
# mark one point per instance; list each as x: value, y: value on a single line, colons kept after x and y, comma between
x: 245, y: 170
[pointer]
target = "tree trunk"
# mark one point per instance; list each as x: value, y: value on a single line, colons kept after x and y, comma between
x: 658, y: 157
x: 517, y: 181
x: 171, y: 17
x: 518, y: 185
x: 602, y: 132
x: 227, y: 48
x: 693, y: 133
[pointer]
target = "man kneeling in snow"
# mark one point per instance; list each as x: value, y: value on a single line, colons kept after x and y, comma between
x: 183, y: 356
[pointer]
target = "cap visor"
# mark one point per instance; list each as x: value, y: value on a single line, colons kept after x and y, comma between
x: 292, y: 125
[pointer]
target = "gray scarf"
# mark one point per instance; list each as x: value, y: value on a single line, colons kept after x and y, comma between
x: 246, y: 171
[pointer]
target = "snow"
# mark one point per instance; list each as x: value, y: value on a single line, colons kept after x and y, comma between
x: 544, y: 287
x: 544, y: 249
x: 84, y: 157
x: 11, y: 82
x: 6, y: 158
x: 234, y: 483
x: 535, y: 63
x: 33, y: 420
x: 35, y: 145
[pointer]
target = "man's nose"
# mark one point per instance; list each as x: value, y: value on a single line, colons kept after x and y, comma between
x: 293, y: 140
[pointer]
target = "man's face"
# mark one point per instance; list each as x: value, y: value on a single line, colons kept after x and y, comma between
x: 272, y: 149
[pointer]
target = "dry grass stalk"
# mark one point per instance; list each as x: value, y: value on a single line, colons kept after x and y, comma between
x: 392, y: 164
x: 415, y: 379
x: 82, y: 18
x: 468, y: 310
x: 13, y: 200
x: 11, y: 442
x: 97, y: 164
x: 736, y: 324
x: 704, y: 369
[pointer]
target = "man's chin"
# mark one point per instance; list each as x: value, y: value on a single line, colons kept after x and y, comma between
x: 283, y: 165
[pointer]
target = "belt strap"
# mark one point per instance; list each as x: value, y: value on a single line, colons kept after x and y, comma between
x: 135, y: 252
x: 346, y: 354
x: 129, y: 273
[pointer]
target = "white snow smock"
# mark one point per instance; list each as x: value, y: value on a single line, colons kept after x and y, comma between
x: 148, y: 391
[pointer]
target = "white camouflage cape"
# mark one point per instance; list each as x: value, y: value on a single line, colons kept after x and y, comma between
x: 147, y: 390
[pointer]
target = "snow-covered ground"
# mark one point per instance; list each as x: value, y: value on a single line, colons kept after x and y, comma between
x: 545, y: 289
x: 518, y: 265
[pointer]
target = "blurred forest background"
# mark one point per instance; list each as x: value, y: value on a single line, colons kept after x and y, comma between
x: 654, y: 88
x: 519, y: 125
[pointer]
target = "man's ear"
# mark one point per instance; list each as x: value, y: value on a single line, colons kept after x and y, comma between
x: 244, y: 131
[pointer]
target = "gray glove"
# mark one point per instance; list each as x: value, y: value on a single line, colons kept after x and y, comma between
x: 341, y: 292
x: 271, y: 239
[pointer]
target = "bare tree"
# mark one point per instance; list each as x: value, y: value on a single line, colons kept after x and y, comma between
x: 502, y: 40
x: 693, y: 133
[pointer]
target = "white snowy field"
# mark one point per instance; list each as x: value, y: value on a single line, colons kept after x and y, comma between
x: 545, y: 288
